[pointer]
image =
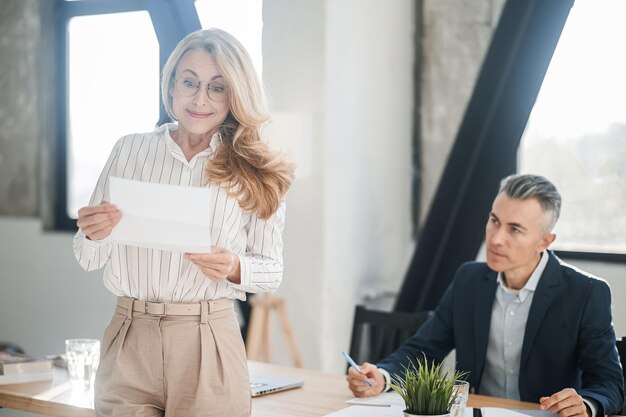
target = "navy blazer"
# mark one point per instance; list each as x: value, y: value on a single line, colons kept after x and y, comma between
x: 569, y: 340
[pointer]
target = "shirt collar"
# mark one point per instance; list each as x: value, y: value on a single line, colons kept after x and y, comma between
x: 175, y: 150
x: 532, y: 282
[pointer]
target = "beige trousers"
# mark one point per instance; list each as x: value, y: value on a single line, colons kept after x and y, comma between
x: 172, y: 366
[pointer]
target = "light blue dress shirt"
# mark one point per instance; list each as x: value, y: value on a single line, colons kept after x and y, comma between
x: 506, y: 335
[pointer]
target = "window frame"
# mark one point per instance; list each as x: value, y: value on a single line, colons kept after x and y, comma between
x: 580, y: 252
x: 171, y: 19
x: 606, y: 257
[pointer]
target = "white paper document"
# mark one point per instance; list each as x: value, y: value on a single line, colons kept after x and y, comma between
x: 162, y: 216
x: 503, y: 412
x: 387, y: 399
x: 366, y: 411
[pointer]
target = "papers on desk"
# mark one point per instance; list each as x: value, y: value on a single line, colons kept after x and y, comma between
x: 389, y: 404
x: 387, y: 399
x: 366, y: 411
x: 397, y: 411
x: 380, y: 411
x: 503, y: 412
x: 162, y: 216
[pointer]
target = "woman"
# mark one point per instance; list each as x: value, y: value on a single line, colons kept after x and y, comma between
x: 173, y: 347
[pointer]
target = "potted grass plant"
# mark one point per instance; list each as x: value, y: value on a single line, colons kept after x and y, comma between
x: 426, y: 391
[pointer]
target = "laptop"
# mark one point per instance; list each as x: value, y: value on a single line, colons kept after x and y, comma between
x: 263, y: 384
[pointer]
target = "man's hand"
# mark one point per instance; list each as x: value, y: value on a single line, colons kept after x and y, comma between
x: 565, y: 403
x: 97, y: 222
x: 217, y: 265
x: 358, y: 386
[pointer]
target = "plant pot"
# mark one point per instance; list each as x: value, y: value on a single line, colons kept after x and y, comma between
x: 419, y: 415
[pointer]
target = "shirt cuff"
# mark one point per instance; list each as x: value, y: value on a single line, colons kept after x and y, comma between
x: 388, y: 380
x: 592, y: 406
x: 245, y: 273
x: 91, y: 246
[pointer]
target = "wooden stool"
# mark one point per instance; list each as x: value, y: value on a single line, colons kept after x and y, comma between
x: 258, y: 346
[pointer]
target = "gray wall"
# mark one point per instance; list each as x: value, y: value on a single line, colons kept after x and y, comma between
x: 456, y: 36
x: 20, y: 45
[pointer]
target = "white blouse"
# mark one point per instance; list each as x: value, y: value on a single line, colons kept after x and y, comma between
x: 164, y: 276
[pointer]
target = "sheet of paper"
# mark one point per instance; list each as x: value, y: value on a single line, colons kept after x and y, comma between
x: 503, y: 412
x: 386, y: 399
x: 365, y: 411
x: 536, y: 413
x: 162, y: 216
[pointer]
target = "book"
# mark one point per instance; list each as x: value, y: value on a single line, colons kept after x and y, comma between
x: 19, y: 364
x: 26, y: 377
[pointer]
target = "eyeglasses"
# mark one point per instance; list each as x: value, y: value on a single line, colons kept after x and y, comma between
x: 190, y: 86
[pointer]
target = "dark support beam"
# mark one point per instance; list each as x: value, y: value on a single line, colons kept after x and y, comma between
x: 172, y: 20
x: 485, y: 149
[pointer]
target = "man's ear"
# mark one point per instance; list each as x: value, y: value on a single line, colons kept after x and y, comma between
x: 546, y: 241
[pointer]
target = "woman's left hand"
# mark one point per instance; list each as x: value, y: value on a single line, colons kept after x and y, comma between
x: 218, y: 265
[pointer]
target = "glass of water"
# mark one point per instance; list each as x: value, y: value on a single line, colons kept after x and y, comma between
x: 83, y: 357
x: 460, y: 394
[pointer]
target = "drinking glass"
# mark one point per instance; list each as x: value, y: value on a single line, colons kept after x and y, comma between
x: 460, y: 394
x: 83, y: 357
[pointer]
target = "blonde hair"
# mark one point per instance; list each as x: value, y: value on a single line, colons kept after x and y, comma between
x: 244, y: 164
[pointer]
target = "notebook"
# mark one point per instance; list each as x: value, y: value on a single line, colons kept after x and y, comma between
x: 262, y: 384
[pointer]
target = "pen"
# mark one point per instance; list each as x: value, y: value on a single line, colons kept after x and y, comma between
x: 354, y: 366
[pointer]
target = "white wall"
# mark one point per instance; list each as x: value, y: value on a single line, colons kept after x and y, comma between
x: 45, y: 297
x: 293, y: 62
x: 348, y: 66
x: 367, y: 198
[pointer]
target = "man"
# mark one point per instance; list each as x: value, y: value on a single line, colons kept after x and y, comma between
x: 525, y: 325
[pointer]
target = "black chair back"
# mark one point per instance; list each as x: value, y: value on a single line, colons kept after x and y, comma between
x: 621, y: 349
x: 376, y: 334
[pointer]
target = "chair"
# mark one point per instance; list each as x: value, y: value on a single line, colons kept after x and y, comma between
x: 621, y: 350
x: 258, y: 346
x: 376, y: 334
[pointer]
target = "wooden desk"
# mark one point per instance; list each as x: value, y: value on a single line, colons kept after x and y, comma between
x: 321, y: 394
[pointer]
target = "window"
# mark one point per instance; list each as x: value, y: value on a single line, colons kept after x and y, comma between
x: 576, y: 133
x: 113, y: 88
x: 241, y: 18
x: 110, y: 57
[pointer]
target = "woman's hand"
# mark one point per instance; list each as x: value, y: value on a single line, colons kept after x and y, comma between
x: 97, y: 222
x: 218, y: 265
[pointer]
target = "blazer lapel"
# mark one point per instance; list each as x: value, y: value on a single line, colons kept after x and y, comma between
x: 484, y: 297
x: 543, y: 297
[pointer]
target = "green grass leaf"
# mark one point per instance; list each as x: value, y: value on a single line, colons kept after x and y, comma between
x: 424, y: 388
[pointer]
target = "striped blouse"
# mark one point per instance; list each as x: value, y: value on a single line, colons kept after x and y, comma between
x: 164, y: 276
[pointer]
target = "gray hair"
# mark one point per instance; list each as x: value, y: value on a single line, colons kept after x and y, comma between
x: 525, y: 186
